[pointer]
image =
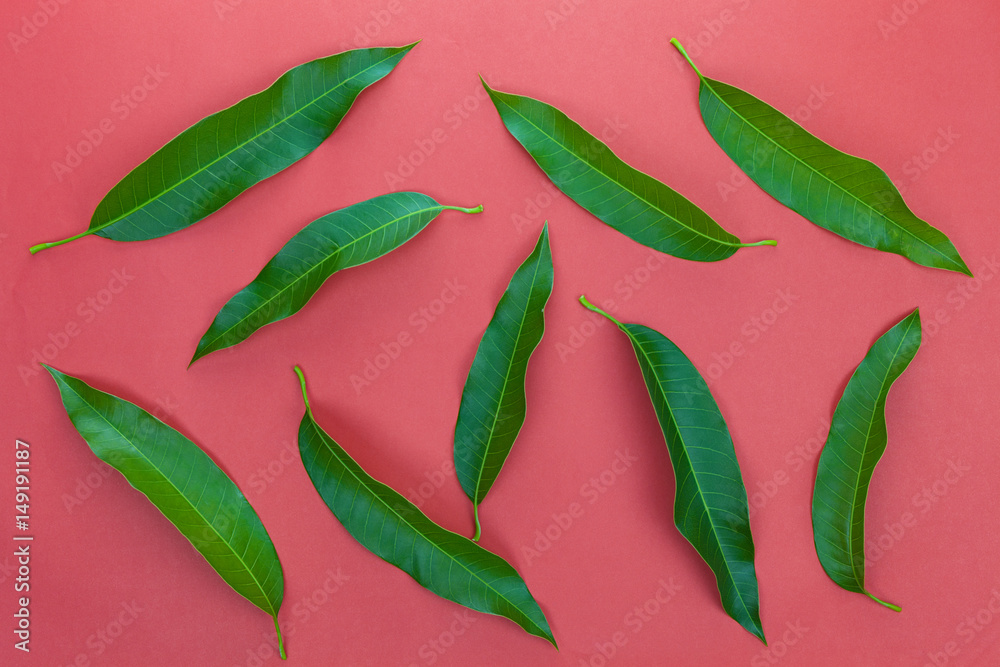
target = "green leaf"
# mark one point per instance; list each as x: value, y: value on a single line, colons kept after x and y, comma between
x: 207, y: 165
x: 183, y: 483
x: 710, y: 501
x: 636, y: 204
x: 844, y: 194
x: 342, y: 239
x: 856, y: 442
x: 392, y: 528
x: 493, y: 402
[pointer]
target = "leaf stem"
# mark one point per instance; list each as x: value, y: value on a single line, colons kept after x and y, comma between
x: 759, y: 243
x: 302, y: 383
x: 51, y: 244
x: 589, y: 305
x: 684, y: 53
x: 478, y: 209
x: 479, y: 529
x: 281, y: 643
x: 890, y: 605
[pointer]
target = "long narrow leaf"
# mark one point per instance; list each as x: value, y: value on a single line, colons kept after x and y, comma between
x: 207, y: 165
x: 392, y: 528
x: 857, y: 440
x: 339, y: 240
x: 710, y: 501
x: 844, y: 194
x: 636, y: 204
x: 493, y: 405
x: 183, y: 482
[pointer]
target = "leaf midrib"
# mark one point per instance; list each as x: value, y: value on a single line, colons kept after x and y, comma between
x: 295, y: 281
x: 264, y: 595
x: 411, y: 526
x: 270, y: 128
x: 506, y: 379
x: 694, y: 475
x: 857, y: 485
x: 653, y: 206
x: 705, y: 81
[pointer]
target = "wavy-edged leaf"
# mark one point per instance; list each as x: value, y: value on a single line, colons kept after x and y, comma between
x: 710, y: 501
x: 392, y: 528
x: 856, y: 442
x: 185, y: 484
x: 628, y: 200
x: 207, y: 165
x: 493, y: 405
x: 339, y: 240
x: 844, y: 194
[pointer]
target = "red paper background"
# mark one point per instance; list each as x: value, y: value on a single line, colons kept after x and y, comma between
x: 890, y: 95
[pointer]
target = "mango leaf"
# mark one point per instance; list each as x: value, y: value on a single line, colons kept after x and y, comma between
x: 636, y: 204
x: 856, y: 442
x: 207, y: 165
x: 183, y: 482
x: 710, y: 501
x: 493, y: 403
x: 842, y: 193
x: 339, y: 240
x: 392, y: 528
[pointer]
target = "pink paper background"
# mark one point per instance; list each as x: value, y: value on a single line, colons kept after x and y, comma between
x: 890, y: 95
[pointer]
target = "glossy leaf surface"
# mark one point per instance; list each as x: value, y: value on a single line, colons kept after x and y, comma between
x: 207, y: 165
x: 842, y: 193
x: 493, y: 404
x: 634, y: 203
x: 392, y: 528
x: 710, y: 501
x: 856, y: 442
x: 342, y: 239
x: 183, y: 482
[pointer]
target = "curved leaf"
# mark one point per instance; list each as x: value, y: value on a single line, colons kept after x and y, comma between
x: 392, y: 528
x: 844, y: 194
x: 342, y: 239
x: 856, y: 442
x: 636, y: 204
x: 710, y: 501
x: 183, y: 483
x: 207, y: 165
x: 493, y: 402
